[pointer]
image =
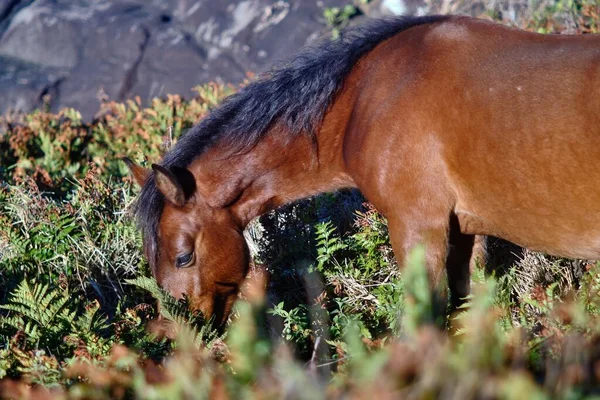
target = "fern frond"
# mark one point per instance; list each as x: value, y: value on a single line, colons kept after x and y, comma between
x: 171, y: 308
x: 178, y: 312
x: 91, y: 320
x: 38, y: 311
x: 37, y: 304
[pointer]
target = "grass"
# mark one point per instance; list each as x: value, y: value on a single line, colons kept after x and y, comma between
x: 325, y: 312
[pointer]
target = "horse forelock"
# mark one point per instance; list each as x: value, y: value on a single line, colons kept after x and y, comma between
x: 295, y: 94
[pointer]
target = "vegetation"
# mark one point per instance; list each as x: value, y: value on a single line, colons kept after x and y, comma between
x: 325, y: 312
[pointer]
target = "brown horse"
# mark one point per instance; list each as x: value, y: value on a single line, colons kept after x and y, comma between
x: 451, y: 126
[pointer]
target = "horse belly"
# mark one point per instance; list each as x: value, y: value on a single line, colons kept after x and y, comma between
x: 564, y: 236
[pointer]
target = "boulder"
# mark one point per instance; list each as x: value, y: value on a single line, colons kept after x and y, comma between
x: 73, y: 52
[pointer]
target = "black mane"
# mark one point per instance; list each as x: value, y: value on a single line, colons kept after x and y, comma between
x: 295, y: 94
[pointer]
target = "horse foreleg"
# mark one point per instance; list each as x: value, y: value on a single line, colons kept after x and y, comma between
x: 449, y: 257
x: 405, y: 234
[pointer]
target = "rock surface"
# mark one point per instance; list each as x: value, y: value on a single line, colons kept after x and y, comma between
x: 72, y: 52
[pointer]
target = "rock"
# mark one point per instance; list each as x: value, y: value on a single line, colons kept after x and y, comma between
x: 43, y: 35
x: 173, y: 63
x: 72, y: 51
x: 109, y: 60
x: 76, y: 50
x: 24, y: 85
x: 6, y: 7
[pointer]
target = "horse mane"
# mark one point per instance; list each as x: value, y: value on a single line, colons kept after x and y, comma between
x: 295, y: 94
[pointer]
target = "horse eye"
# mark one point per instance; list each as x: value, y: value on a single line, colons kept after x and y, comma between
x: 184, y: 260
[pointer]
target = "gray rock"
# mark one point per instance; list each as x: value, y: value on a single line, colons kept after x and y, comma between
x: 24, y: 85
x: 42, y: 34
x: 108, y: 63
x: 174, y: 63
x: 75, y: 51
x: 6, y: 7
x: 79, y: 50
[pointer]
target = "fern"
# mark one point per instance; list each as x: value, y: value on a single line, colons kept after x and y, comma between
x: 51, y: 320
x: 328, y: 244
x: 39, y: 312
x: 189, y: 324
x: 44, y: 323
x: 86, y: 331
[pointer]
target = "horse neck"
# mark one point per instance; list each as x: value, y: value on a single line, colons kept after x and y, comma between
x: 281, y: 168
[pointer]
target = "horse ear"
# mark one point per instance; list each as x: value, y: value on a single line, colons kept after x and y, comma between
x: 140, y: 174
x: 169, y: 185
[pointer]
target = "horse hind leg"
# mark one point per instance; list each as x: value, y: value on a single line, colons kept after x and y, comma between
x: 465, y: 253
x: 479, y: 256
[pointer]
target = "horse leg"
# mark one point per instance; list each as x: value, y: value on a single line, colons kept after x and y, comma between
x: 479, y: 257
x: 449, y: 256
x: 406, y: 233
x: 458, y: 263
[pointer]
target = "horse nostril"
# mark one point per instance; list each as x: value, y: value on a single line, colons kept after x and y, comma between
x: 204, y: 305
x: 229, y: 286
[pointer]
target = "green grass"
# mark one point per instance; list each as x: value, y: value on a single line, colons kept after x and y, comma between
x: 337, y: 318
